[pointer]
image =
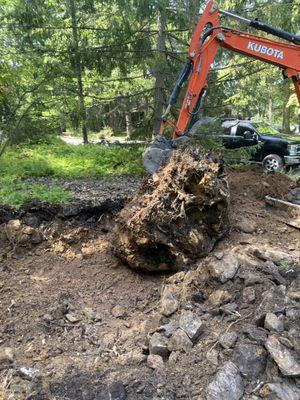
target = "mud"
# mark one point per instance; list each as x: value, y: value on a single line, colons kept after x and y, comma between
x: 72, y: 311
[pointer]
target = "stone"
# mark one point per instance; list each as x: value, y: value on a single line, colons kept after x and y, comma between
x: 155, y: 361
x: 272, y: 301
x: 294, y: 290
x: 158, y: 345
x: 169, y: 328
x: 257, y: 335
x: 229, y: 308
x: 118, y: 311
x: 6, y: 357
x: 169, y: 302
x: 191, y: 324
x: 273, y: 323
x: 248, y: 295
x: 180, y: 342
x: 28, y: 373
x: 117, y: 391
x: 277, y: 256
x: 212, y: 357
x: 219, y: 297
x: 227, y: 384
x: 73, y: 318
x: 280, y: 391
x: 224, y: 269
x: 251, y: 359
x: 228, y: 339
x: 283, y: 357
x: 245, y: 225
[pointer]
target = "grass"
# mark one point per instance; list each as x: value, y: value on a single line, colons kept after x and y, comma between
x: 59, y: 159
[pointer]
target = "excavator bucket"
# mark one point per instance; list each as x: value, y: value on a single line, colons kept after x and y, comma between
x: 158, y: 154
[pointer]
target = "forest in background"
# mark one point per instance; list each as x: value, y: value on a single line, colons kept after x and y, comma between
x: 89, y: 66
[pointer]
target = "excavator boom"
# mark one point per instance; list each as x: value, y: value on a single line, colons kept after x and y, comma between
x: 208, y: 37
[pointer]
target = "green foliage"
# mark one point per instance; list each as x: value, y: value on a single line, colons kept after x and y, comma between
x: 60, y: 159
x: 15, y: 192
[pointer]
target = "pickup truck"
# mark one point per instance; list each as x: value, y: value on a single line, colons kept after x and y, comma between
x: 272, y: 149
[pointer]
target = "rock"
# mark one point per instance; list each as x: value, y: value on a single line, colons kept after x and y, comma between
x: 191, y: 324
x: 294, y: 290
x: 73, y: 318
x: 280, y: 391
x: 117, y: 391
x: 277, y: 256
x: 227, y: 384
x: 250, y: 359
x: 158, y: 345
x: 169, y: 328
x: 283, y: 357
x: 224, y: 269
x: 245, y: 225
x: 6, y: 357
x: 28, y: 373
x: 118, y: 311
x: 180, y: 342
x: 248, y: 295
x: 155, y: 361
x: 169, y: 302
x: 227, y: 340
x: 219, y: 297
x: 257, y: 335
x: 273, y: 323
x: 273, y: 301
x: 229, y: 308
x: 212, y: 357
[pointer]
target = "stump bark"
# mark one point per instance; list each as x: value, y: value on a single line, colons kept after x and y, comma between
x: 177, y: 215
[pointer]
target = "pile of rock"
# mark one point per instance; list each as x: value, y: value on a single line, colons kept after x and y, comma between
x: 241, y: 309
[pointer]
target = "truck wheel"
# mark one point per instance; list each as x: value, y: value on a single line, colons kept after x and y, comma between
x: 272, y: 163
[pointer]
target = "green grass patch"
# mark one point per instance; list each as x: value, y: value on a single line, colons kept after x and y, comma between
x: 59, y: 159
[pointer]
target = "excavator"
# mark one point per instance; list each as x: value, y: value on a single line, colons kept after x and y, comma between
x: 208, y: 37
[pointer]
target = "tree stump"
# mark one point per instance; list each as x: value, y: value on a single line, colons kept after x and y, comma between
x: 177, y: 215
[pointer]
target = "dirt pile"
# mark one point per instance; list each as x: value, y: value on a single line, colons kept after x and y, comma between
x: 177, y: 215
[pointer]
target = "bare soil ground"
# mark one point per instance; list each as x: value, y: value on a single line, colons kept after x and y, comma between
x: 75, y: 322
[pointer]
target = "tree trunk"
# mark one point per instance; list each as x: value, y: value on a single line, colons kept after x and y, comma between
x: 128, y: 121
x: 158, y: 73
x: 78, y: 71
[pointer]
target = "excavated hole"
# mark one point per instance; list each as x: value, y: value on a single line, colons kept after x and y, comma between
x: 158, y: 254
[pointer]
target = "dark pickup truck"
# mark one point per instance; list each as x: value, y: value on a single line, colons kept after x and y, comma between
x: 271, y: 149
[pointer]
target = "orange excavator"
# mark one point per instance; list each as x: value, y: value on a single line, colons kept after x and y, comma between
x: 209, y: 35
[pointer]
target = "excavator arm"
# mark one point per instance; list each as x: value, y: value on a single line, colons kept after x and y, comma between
x: 209, y: 35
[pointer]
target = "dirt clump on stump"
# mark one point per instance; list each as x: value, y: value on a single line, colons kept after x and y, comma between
x: 177, y: 215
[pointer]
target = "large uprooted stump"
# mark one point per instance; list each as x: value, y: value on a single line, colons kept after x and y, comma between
x: 177, y: 215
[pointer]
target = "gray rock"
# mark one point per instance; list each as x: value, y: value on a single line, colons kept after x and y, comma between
x: 180, y: 342
x: 272, y: 301
x: 119, y: 311
x: 257, y: 335
x: 6, y: 357
x: 227, y: 340
x: 248, y: 295
x: 283, y: 357
x: 158, y: 345
x: 89, y: 313
x: 250, y: 359
x: 117, y: 391
x: 229, y: 308
x: 273, y: 323
x: 277, y: 256
x: 280, y: 391
x: 155, y: 361
x: 169, y: 328
x: 227, y: 384
x: 73, y: 318
x: 245, y: 225
x: 169, y: 302
x: 28, y: 373
x: 191, y: 324
x: 224, y: 269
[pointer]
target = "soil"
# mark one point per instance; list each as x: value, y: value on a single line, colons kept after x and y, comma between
x: 82, y: 319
